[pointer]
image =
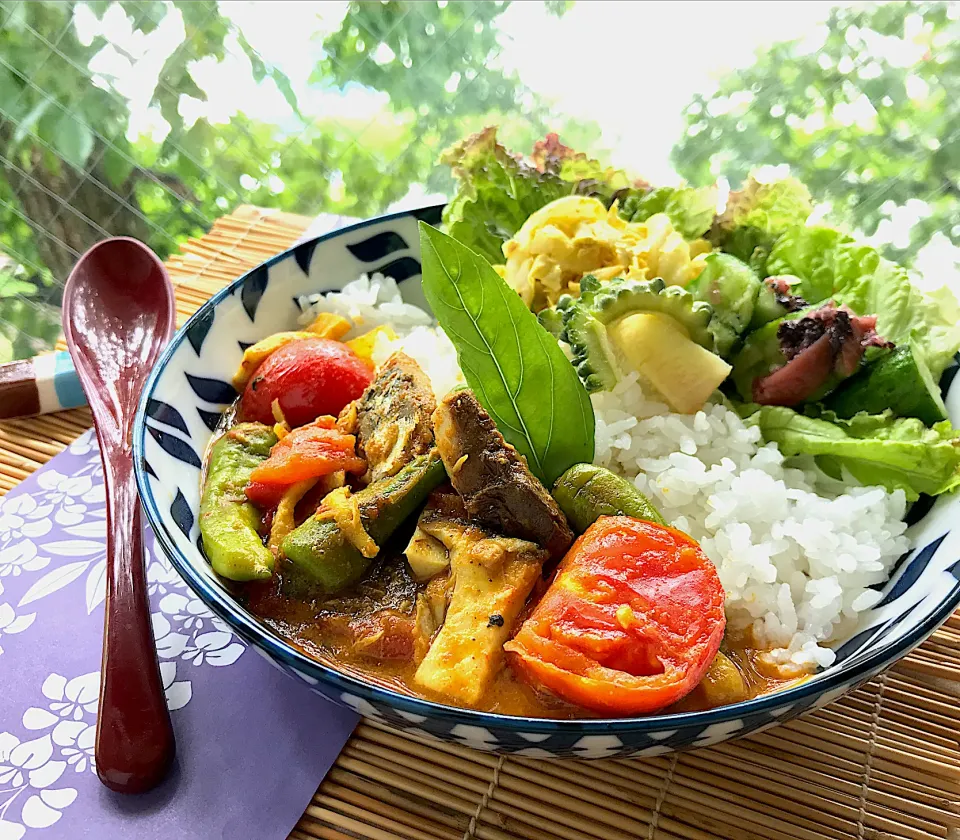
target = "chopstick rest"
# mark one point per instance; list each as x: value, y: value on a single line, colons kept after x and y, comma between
x: 40, y: 385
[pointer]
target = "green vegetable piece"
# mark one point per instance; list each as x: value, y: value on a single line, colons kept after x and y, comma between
x: 690, y: 210
x: 586, y: 492
x: 320, y: 549
x: 899, y: 381
x: 513, y: 365
x: 876, y: 449
x: 731, y: 287
x: 767, y: 307
x: 759, y: 355
x: 756, y: 215
x: 551, y: 320
x: 809, y: 253
x: 586, y: 320
x: 228, y: 521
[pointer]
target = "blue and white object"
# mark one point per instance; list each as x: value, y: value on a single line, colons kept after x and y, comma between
x: 190, y: 387
x: 41, y: 385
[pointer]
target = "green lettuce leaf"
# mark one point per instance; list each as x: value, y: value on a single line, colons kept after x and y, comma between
x: 807, y: 253
x: 588, y: 176
x: 876, y: 449
x: 756, y: 215
x: 831, y: 265
x: 497, y: 191
x: 937, y: 319
x: 690, y: 210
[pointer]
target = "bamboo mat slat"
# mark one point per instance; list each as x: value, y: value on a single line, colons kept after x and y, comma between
x: 883, y: 762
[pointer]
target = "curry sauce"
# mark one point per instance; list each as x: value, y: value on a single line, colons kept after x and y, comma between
x: 438, y: 566
x: 367, y: 633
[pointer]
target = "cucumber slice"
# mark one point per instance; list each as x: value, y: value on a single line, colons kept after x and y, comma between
x: 900, y: 381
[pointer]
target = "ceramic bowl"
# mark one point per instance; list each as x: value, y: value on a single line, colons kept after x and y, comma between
x: 190, y: 387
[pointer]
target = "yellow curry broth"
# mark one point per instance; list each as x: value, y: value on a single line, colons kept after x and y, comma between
x: 319, y: 629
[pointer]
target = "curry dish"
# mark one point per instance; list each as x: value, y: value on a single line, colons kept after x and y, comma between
x: 370, y: 634
x: 402, y: 540
x: 648, y: 451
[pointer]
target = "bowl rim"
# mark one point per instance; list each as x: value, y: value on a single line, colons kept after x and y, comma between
x: 268, y: 642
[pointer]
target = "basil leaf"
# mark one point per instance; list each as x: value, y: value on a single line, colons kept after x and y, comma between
x: 513, y: 365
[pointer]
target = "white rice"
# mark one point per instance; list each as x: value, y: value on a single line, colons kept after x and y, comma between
x: 796, y: 552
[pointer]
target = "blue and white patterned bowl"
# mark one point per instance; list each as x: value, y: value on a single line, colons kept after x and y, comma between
x: 181, y: 405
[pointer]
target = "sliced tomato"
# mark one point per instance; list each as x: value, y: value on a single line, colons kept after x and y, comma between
x: 310, y: 451
x: 310, y: 377
x: 266, y: 496
x: 629, y: 625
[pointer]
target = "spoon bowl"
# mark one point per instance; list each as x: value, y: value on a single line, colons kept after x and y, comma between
x: 118, y: 314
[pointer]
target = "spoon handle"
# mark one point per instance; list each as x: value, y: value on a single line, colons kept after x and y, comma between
x: 135, y: 744
x: 40, y: 385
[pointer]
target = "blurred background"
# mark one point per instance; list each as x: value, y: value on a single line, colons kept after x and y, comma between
x: 151, y: 119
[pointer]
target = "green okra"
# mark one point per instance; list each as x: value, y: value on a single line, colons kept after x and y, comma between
x: 586, y: 492
x: 321, y: 551
x: 228, y: 521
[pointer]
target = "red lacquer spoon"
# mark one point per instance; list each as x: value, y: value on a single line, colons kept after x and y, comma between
x: 118, y: 312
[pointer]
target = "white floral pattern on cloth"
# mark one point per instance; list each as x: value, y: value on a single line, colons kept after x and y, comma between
x: 69, y: 711
x: 183, y: 626
x: 51, y: 541
x: 33, y: 788
x: 67, y: 719
x: 12, y: 623
x: 32, y: 528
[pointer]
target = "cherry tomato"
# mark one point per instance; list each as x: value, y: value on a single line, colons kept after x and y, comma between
x: 310, y: 451
x: 310, y: 377
x: 630, y: 624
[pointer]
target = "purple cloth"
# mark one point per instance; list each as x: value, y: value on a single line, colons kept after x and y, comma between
x: 252, y: 744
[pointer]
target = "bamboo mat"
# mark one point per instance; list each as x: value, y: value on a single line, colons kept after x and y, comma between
x: 883, y: 762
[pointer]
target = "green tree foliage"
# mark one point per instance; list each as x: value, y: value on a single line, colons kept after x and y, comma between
x: 868, y: 117
x: 437, y: 64
x: 72, y: 174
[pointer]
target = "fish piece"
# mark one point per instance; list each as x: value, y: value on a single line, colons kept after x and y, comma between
x: 498, y: 489
x: 393, y: 417
x: 401, y: 632
x: 376, y: 619
x: 385, y: 635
